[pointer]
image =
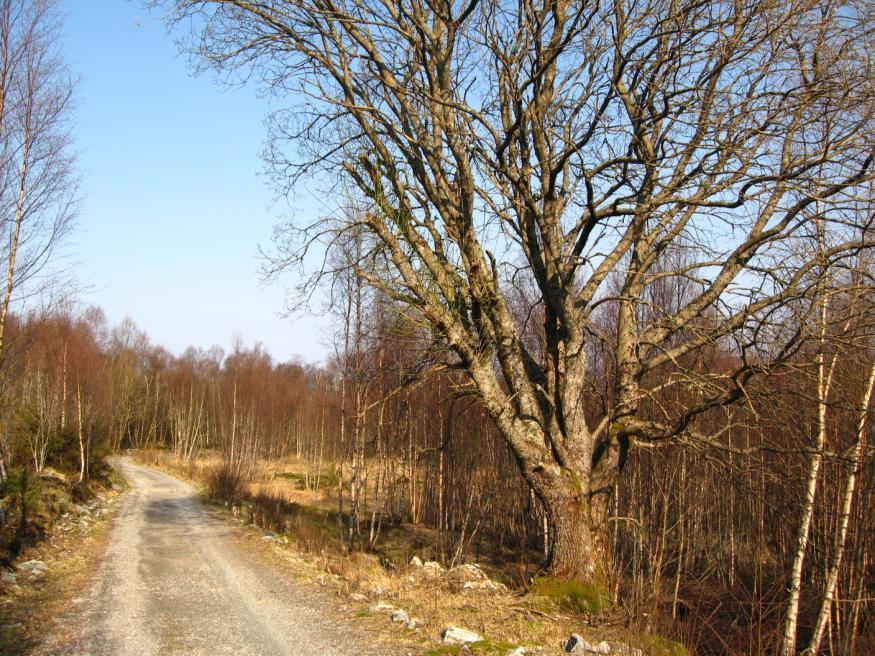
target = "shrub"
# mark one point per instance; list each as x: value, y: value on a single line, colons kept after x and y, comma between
x: 225, y: 483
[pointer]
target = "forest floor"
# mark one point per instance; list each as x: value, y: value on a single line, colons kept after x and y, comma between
x: 367, y: 588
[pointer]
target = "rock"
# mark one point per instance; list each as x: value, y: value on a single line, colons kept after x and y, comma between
x: 415, y: 562
x: 380, y: 607
x: 33, y: 566
x: 412, y: 623
x: 433, y: 568
x: 519, y: 651
x: 9, y: 577
x: 488, y: 584
x: 269, y: 535
x: 458, y: 635
x: 468, y: 572
x: 400, y: 616
x: 577, y: 645
x: 358, y: 596
x: 377, y: 591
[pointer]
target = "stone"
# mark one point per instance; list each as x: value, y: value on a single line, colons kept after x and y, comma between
x: 9, y: 577
x: 415, y: 562
x: 33, y: 566
x: 519, y: 651
x: 458, y: 635
x: 433, y: 566
x: 400, y: 616
x: 488, y: 584
x: 358, y: 596
x: 577, y: 645
x: 413, y: 622
x: 380, y: 607
x: 467, y: 572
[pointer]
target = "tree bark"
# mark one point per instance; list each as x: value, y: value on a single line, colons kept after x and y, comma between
x: 577, y: 526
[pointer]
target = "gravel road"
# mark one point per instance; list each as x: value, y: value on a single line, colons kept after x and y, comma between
x: 176, y: 580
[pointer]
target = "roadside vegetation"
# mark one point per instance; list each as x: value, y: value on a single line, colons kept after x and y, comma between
x: 400, y: 573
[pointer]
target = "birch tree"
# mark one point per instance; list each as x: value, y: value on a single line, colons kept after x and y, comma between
x: 573, y: 144
x: 37, y: 188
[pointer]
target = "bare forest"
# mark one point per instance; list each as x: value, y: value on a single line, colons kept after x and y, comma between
x: 600, y: 281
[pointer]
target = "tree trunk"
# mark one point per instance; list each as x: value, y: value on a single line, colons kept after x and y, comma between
x: 83, y: 461
x: 579, y: 539
x: 856, y: 465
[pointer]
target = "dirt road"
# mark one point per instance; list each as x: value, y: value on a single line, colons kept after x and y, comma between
x: 178, y: 581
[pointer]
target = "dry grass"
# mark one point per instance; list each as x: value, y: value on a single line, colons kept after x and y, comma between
x: 309, y: 542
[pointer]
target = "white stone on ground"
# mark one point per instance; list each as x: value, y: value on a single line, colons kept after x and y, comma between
x: 458, y: 635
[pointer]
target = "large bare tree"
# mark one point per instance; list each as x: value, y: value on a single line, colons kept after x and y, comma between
x: 596, y: 150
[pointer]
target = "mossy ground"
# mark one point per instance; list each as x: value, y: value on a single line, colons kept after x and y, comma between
x: 485, y: 646
x: 572, y: 596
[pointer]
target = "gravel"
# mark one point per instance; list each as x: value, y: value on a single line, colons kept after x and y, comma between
x: 176, y: 580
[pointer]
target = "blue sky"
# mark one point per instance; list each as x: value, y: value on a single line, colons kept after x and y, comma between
x: 173, y: 207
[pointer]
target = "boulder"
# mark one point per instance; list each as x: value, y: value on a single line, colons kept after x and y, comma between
x: 380, y: 607
x: 412, y: 623
x: 577, y: 645
x: 433, y: 568
x: 33, y: 566
x: 457, y: 635
x: 415, y: 562
x: 400, y: 616
x: 466, y: 573
x: 9, y: 577
x: 488, y: 584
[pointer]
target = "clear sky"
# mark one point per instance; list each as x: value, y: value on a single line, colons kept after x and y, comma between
x: 173, y: 206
